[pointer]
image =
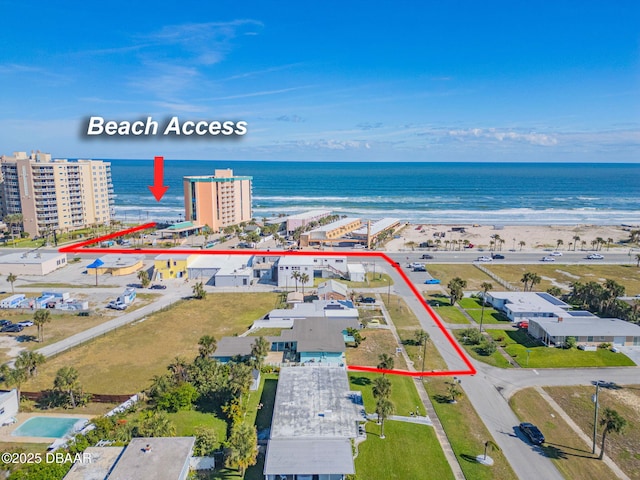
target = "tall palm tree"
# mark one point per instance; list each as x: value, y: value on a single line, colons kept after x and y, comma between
x: 612, y: 423
x: 609, y: 242
x: 179, y: 369
x: 13, y: 377
x: 40, y: 318
x: 485, y: 286
x: 638, y: 260
x: 67, y: 381
x: 456, y: 289
x: 207, y: 345
x: 296, y: 276
x: 304, y: 278
x: 243, y: 447
x: 386, y: 362
x: 600, y: 241
x: 576, y: 239
x: 535, y: 280
x: 381, y: 387
x: 522, y: 243
x: 384, y: 408
x: 454, y: 391
x: 11, y: 278
x: 559, y: 243
x: 143, y: 276
x: 29, y: 362
x: 259, y: 351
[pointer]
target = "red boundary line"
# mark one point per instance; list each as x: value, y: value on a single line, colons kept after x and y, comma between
x: 84, y: 247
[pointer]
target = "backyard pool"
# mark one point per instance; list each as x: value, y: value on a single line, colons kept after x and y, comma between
x: 48, y: 427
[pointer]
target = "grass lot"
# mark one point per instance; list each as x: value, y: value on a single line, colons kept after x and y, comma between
x: 403, y: 392
x: 471, y: 274
x: 623, y: 449
x: 378, y: 341
x: 474, y: 308
x: 495, y: 359
x: 627, y: 275
x: 517, y: 342
x: 451, y: 315
x: 267, y: 332
x: 421, y: 452
x: 569, y: 453
x: 123, y: 361
x: 406, y: 325
x: 378, y: 279
x: 467, y: 434
x: 186, y: 422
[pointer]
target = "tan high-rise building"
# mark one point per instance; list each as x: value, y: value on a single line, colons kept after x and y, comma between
x: 55, y: 195
x: 219, y: 200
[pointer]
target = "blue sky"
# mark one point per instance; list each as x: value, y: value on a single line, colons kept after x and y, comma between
x: 362, y: 81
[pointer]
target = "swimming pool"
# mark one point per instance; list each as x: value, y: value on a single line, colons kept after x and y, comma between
x: 48, y: 427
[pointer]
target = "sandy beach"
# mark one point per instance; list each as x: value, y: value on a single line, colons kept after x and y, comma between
x: 514, y: 237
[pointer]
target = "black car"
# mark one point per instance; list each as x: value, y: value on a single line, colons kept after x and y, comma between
x: 421, y: 268
x: 532, y: 433
x: 367, y: 300
x: 12, y: 328
x: 497, y: 256
x: 4, y: 323
x: 158, y: 286
x: 426, y: 256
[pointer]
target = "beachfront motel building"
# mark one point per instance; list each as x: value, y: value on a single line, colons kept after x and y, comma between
x: 217, y: 200
x: 55, y: 195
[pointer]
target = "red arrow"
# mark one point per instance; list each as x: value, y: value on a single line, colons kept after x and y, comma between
x: 158, y: 189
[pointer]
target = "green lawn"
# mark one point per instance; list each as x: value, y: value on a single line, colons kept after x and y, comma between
x: 474, y: 308
x: 496, y: 359
x: 517, y: 342
x: 451, y: 315
x: 467, y: 434
x: 445, y: 273
x: 403, y: 392
x: 409, y: 451
x: 186, y: 422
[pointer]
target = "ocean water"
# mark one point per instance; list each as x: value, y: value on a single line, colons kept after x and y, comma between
x: 449, y: 193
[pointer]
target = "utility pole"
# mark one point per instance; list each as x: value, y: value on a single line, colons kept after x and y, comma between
x: 595, y: 417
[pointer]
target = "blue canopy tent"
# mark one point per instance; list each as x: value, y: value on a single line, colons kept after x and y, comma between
x: 96, y: 264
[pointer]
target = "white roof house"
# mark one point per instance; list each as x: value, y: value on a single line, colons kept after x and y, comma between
x: 525, y: 305
x: 586, y: 328
x: 314, y: 419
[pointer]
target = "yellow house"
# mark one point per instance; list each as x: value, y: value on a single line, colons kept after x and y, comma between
x: 168, y: 265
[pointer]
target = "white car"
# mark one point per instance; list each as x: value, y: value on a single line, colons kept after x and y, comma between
x: 483, y: 259
x: 548, y: 259
x: 594, y: 256
x: 25, y: 323
x: 556, y: 254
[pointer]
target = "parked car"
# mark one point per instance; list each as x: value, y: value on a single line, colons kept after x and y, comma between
x: 556, y: 254
x: 14, y: 327
x: 483, y: 259
x: 25, y: 323
x: 4, y: 322
x: 158, y: 286
x: 595, y: 256
x: 469, y: 245
x: 419, y: 268
x: 117, y: 306
x: 497, y: 256
x: 532, y: 433
x: 432, y: 281
x: 367, y: 300
x: 523, y: 324
x: 426, y: 256
x: 547, y: 259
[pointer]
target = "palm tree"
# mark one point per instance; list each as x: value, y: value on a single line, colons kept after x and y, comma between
x: 609, y: 242
x: 421, y: 337
x: 179, y: 369
x: 242, y: 447
x: 29, y: 362
x: 638, y: 260
x: 199, y: 292
x: 155, y: 424
x: 454, y: 392
x: 381, y: 387
x: 535, y: 280
x: 600, y: 241
x: 143, y: 276
x: 583, y: 244
x: 384, y: 408
x: 259, y: 351
x: 386, y: 362
x: 576, y: 239
x: 456, y: 287
x: 526, y: 278
x: 67, y: 381
x: 612, y: 423
x: 13, y: 377
x: 559, y: 243
x: 207, y: 345
x: 296, y: 276
x: 485, y: 286
x: 11, y: 278
x: 522, y: 243
x: 40, y: 318
x: 304, y: 278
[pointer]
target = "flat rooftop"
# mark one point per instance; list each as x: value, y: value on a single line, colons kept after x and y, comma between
x: 226, y: 264
x: 165, y: 459
x: 587, y: 327
x: 308, y: 260
x: 102, y: 460
x: 337, y: 224
x: 308, y: 215
x: 291, y: 456
x: 30, y: 257
x: 377, y: 227
x: 114, y: 260
x: 530, y: 302
x: 314, y: 402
